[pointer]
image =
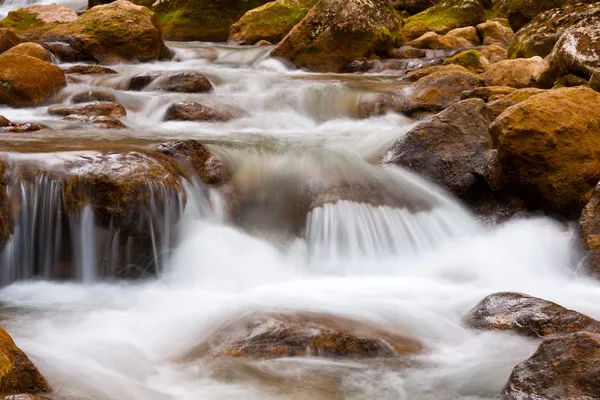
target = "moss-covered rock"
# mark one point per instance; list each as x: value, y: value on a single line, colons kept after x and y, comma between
x: 30, y: 49
x: 336, y: 32
x: 518, y: 73
x: 270, y: 22
x: 443, y: 17
x: 116, y: 32
x: 33, y: 21
x: 8, y: 39
x: 26, y: 81
x: 17, y: 372
x: 472, y: 60
x: 549, y: 146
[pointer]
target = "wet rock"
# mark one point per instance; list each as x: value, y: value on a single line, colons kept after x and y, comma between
x: 93, y: 109
x: 304, y: 334
x: 407, y: 52
x: 140, y: 81
x: 415, y: 75
x: 494, y: 53
x: 455, y: 39
x: 192, y: 111
x: 472, y: 60
x: 27, y: 82
x: 539, y: 36
x: 63, y: 52
x: 518, y: 73
x: 89, y: 69
x: 33, y: 21
x: 195, y: 156
x: 563, y: 367
x: 527, y: 316
x: 17, y: 372
x: 336, y: 32
x: 548, y: 146
x: 521, y: 12
x: 263, y: 43
x: 100, y: 121
x: 453, y: 148
x: 93, y: 95
x: 443, y: 17
x: 183, y: 82
x: 589, y: 234
x: 8, y: 126
x: 112, y: 33
x: 493, y: 32
x: 497, y: 107
x: 488, y: 93
x: 30, y: 49
x: 595, y: 81
x: 8, y: 39
x: 270, y: 22
x: 576, y: 52
x: 6, y: 222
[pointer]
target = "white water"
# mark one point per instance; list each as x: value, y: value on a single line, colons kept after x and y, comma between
x: 418, y: 271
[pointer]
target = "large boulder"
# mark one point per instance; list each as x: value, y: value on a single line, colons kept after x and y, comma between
x: 527, y: 316
x: 17, y: 372
x: 539, y: 36
x: 30, y: 49
x: 112, y: 33
x: 273, y: 335
x: 443, y: 17
x: 27, y: 81
x: 453, y: 148
x: 336, y: 32
x: 33, y: 21
x: 518, y: 73
x: 8, y: 39
x: 521, y: 12
x: 548, y: 148
x: 563, y: 367
x: 270, y: 22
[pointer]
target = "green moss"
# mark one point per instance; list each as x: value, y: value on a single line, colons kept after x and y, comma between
x: 20, y: 20
x: 470, y: 59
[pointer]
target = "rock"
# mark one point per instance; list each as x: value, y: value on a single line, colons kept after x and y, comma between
x: 93, y: 95
x: 270, y: 22
x: 432, y: 40
x: 336, y: 32
x: 569, y: 80
x: 488, y: 93
x: 595, y: 81
x: 193, y: 155
x: 27, y: 81
x: 6, y: 214
x: 11, y: 127
x: 101, y: 121
x: 576, y: 52
x: 17, y: 372
x: 548, y: 146
x: 93, y: 109
x: 472, y: 60
x: 493, y: 32
x: 413, y: 6
x: 415, y: 75
x: 261, y: 43
x: 442, y: 18
x: 273, y: 335
x: 589, y: 234
x: 518, y: 73
x: 192, y: 111
x: 527, y: 316
x: 30, y: 49
x: 563, y: 367
x: 407, y: 52
x: 113, y: 33
x: 494, y: 53
x: 453, y: 148
x: 89, y: 69
x: 201, y: 20
x: 33, y: 21
x: 8, y: 39
x: 183, y: 82
x: 521, y: 12
x: 62, y: 52
x: 140, y: 81
x: 468, y: 33
x: 497, y: 107
x: 540, y: 35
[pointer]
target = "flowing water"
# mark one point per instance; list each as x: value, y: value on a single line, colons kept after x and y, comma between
x: 416, y: 264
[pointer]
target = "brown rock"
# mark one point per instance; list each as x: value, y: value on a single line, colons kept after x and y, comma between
x: 30, y: 49
x: 100, y: 121
x: 183, y: 82
x: 518, y: 73
x: 93, y: 95
x: 488, y: 93
x: 498, y: 106
x: 455, y: 39
x: 8, y: 39
x: 527, y: 316
x: 195, y: 156
x: 33, y: 21
x: 595, y: 81
x: 192, y: 111
x: 494, y: 53
x: 569, y: 80
x: 93, y: 109
x: 564, y: 367
x: 493, y: 32
x: 89, y: 69
x: 589, y: 234
x: 407, y: 52
x: 261, y: 43
x: 423, y: 72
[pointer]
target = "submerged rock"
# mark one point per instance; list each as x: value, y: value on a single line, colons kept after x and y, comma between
x: 563, y: 367
x: 93, y: 109
x: 100, y: 121
x: 192, y: 111
x: 89, y: 69
x: 8, y: 39
x: 33, y: 21
x: 183, y: 82
x: 336, y: 32
x: 527, y: 316
x: 30, y: 49
x: 195, y: 156
x: 518, y: 73
x: 92, y: 96
x: 271, y: 335
x: 8, y: 126
x: 17, y: 372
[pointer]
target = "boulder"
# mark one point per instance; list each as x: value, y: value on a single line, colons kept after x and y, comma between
x: 453, y: 148
x: 93, y: 95
x: 89, y: 69
x: 576, y: 52
x: 488, y: 93
x: 198, y: 159
x: 192, y: 111
x: 493, y: 32
x: 455, y: 39
x: 27, y: 81
x: 548, y: 147
x: 494, y: 53
x: 183, y: 82
x: 100, y: 121
x: 521, y: 12
x: 30, y: 49
x: 62, y: 52
x: 33, y: 21
x: 93, y: 109
x: 270, y: 22
x: 518, y: 73
x: 8, y: 39
x: 472, y: 60
x: 271, y: 335
x: 527, y: 316
x: 17, y: 372
x: 407, y: 52
x: 113, y: 33
x: 443, y: 17
x: 140, y: 81
x: 8, y: 126
x: 540, y: 35
x: 336, y: 32
x: 498, y: 106
x: 415, y: 75
x: 563, y: 367
x: 595, y: 81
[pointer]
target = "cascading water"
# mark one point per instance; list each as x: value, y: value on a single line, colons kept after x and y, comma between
x: 320, y: 228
